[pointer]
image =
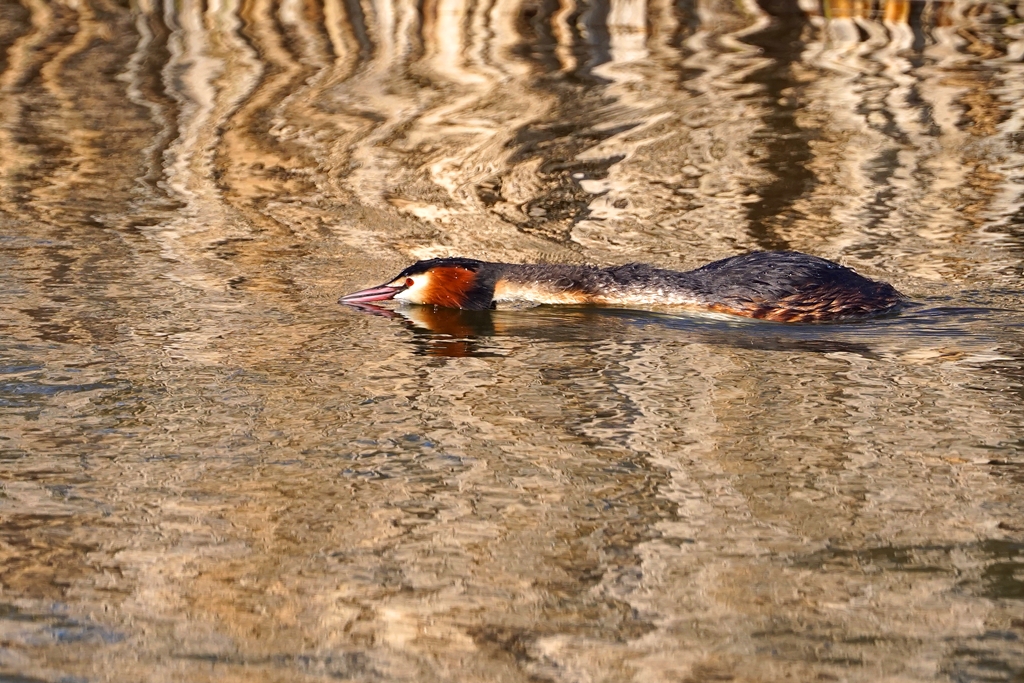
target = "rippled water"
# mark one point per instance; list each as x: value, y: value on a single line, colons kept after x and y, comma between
x: 211, y: 471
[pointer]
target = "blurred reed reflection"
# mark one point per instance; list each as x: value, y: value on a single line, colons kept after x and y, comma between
x: 210, y: 471
x: 605, y: 130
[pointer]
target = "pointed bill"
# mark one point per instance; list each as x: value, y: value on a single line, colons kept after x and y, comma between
x: 382, y: 293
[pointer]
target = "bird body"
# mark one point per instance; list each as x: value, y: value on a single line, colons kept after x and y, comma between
x: 785, y: 286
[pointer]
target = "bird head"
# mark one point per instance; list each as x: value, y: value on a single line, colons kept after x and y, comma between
x: 447, y: 282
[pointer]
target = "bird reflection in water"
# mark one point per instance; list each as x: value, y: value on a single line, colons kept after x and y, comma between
x: 445, y: 332
x: 456, y: 333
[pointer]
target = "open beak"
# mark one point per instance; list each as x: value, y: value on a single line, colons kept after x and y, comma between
x: 382, y: 293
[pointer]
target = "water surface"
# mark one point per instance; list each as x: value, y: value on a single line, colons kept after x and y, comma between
x: 212, y: 471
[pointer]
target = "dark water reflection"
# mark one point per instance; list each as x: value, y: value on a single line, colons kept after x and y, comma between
x: 211, y: 471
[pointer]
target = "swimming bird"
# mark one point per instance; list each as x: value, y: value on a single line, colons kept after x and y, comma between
x: 784, y: 286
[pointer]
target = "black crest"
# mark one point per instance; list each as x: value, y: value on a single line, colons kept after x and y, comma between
x: 452, y: 262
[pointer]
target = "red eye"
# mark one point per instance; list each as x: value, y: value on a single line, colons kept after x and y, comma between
x: 409, y: 282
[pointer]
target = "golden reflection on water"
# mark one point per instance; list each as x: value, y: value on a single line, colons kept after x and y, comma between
x: 210, y: 471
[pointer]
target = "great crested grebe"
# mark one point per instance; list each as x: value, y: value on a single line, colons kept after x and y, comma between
x: 784, y: 286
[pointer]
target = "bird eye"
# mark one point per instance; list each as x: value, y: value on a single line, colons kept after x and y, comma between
x: 409, y: 282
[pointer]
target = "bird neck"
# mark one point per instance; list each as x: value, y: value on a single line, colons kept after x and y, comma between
x: 544, y: 284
